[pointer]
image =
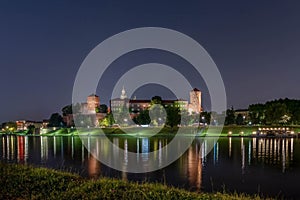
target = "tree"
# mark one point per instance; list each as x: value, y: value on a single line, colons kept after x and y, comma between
x: 285, y: 119
x: 156, y: 100
x: 239, y: 119
x: 274, y: 112
x: 122, y: 116
x: 143, y: 118
x: 186, y: 118
x: 102, y: 109
x: 173, y: 116
x: 157, y: 114
x: 67, y: 110
x: 257, y: 113
x: 83, y: 120
x: 205, y: 117
x: 55, y: 120
x: 9, y: 126
x: 30, y: 129
x: 230, y: 118
x: 107, y: 121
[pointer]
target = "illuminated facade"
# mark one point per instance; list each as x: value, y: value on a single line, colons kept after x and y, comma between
x: 93, y: 102
x: 88, y: 111
x: 195, y: 101
x: 138, y: 105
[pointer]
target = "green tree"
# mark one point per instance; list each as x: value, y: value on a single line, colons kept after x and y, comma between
x: 205, y: 117
x: 186, y: 118
x: 122, y: 116
x: 55, y: 120
x: 239, y: 119
x: 274, y: 112
x: 9, y: 127
x: 173, y: 116
x: 156, y: 100
x: 143, y: 118
x: 30, y: 129
x: 230, y: 118
x: 257, y: 113
x: 107, y: 121
x: 67, y: 110
x: 83, y: 120
x: 102, y: 109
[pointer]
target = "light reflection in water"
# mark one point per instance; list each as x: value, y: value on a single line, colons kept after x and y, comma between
x: 44, y: 149
x: 230, y: 146
x: 192, y: 166
x: 243, y: 155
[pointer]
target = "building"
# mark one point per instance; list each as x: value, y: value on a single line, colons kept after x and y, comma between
x: 136, y: 106
x: 92, y: 103
x: 86, y: 111
x: 23, y: 124
x: 195, y: 101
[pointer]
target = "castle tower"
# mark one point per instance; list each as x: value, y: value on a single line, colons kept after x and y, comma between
x: 92, y: 103
x: 195, y: 101
x: 123, y: 94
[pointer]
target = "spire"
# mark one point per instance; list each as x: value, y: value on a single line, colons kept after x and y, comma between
x: 123, y: 94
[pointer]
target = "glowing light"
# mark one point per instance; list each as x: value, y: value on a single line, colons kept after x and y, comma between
x: 229, y: 133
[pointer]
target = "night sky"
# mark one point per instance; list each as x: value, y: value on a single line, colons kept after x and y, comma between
x: 255, y: 44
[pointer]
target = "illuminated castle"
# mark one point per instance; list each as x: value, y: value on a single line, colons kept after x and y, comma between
x: 136, y: 106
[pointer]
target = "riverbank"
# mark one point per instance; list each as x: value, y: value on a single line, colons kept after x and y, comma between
x: 232, y: 131
x: 26, y: 182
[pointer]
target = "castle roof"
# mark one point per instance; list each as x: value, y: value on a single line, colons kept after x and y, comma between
x: 93, y: 95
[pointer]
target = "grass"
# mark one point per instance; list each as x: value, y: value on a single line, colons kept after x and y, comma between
x: 27, y: 182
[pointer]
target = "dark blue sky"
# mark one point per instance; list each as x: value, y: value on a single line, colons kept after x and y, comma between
x: 255, y: 44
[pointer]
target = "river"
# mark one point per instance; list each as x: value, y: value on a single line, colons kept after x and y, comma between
x: 267, y: 166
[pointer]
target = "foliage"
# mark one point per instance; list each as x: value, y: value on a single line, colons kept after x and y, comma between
x: 143, y: 118
x: 83, y: 120
x: 230, y: 117
x: 107, y: 121
x: 156, y: 100
x: 70, y: 109
x: 257, y: 113
x: 67, y: 110
x: 102, y: 109
x: 282, y: 111
x: 55, y: 120
x: 239, y: 119
x: 9, y: 126
x: 30, y: 129
x: 173, y: 116
x: 122, y: 116
x: 205, y: 117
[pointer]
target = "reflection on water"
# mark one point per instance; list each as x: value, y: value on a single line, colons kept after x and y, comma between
x: 241, y: 164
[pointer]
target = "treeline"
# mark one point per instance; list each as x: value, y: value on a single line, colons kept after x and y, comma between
x: 282, y: 111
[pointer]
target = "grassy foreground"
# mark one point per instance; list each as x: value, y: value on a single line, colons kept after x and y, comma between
x: 26, y: 182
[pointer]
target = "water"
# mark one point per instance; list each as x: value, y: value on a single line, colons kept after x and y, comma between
x: 268, y: 166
